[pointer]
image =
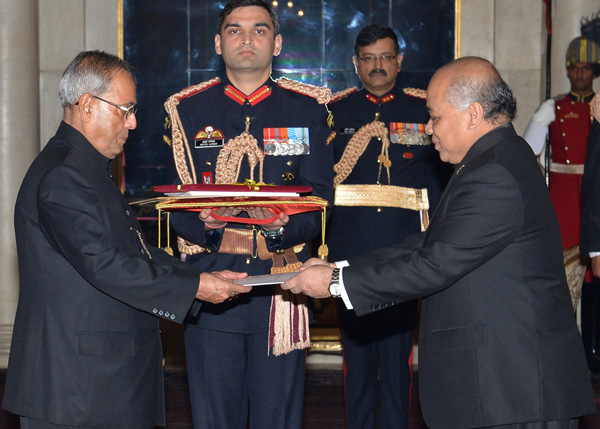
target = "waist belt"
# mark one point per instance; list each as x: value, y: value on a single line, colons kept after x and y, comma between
x: 237, y: 241
x: 384, y: 196
x: 555, y: 167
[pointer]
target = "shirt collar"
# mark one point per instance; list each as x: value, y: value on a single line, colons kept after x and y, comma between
x: 69, y: 134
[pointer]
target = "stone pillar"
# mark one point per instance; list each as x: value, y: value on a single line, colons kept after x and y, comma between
x: 19, y: 140
x: 566, y: 24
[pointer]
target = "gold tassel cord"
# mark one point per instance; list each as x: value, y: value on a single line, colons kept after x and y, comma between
x: 356, y: 147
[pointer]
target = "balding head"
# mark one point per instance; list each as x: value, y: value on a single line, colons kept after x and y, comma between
x: 474, y: 79
x: 466, y: 99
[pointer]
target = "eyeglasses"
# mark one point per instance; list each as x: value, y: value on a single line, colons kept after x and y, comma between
x: 128, y: 110
x: 371, y: 58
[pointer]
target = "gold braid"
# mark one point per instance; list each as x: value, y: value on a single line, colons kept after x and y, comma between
x: 356, y: 147
x: 180, y: 147
x: 179, y: 140
x: 595, y: 106
x: 342, y: 94
x: 320, y: 93
x: 229, y: 161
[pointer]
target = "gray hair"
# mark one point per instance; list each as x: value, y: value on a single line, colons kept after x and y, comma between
x: 90, y: 72
x: 486, y: 88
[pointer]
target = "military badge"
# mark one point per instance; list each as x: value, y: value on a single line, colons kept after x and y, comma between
x: 409, y: 134
x: 286, y: 141
x: 207, y: 178
x: 209, y: 137
x: 330, y: 138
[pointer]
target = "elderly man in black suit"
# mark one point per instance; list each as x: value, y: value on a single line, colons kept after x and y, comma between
x: 86, y: 348
x: 498, y: 343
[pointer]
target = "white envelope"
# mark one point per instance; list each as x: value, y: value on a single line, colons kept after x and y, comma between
x: 266, y: 279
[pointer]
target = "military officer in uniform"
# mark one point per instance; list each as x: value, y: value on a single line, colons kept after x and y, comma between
x: 378, y: 347
x: 241, y: 374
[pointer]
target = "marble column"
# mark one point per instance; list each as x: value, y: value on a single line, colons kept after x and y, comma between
x: 566, y: 25
x: 19, y: 139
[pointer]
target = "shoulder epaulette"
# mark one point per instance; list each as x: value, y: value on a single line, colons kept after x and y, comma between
x: 595, y: 106
x: 194, y: 89
x: 319, y: 93
x: 343, y: 94
x: 415, y: 92
x: 178, y: 140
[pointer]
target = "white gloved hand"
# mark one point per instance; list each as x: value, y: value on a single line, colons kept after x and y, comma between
x: 544, y: 115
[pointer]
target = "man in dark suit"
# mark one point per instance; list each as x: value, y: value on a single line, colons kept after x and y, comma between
x: 498, y: 343
x: 590, y: 236
x: 86, y: 349
x: 590, y: 216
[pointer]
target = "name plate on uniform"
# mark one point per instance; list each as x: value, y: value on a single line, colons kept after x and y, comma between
x: 209, y: 136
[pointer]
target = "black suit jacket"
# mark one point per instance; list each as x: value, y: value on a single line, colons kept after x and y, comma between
x: 590, y: 194
x: 86, y: 347
x: 498, y: 341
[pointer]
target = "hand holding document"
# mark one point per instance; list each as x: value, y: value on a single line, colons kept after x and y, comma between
x: 312, y: 279
x: 267, y: 279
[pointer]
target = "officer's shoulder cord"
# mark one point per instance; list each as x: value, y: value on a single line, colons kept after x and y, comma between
x: 416, y: 92
x: 342, y: 94
x: 356, y: 147
x: 595, y: 106
x: 320, y: 93
x: 179, y: 140
x: 229, y: 160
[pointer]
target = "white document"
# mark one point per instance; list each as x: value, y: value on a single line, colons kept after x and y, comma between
x: 267, y: 279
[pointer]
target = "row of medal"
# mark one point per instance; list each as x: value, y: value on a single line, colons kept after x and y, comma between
x: 286, y: 148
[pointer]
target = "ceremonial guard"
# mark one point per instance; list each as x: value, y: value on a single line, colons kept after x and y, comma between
x: 567, y: 119
x: 246, y: 357
x: 380, y: 141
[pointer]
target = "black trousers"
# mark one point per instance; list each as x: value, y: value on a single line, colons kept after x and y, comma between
x: 377, y: 373
x: 590, y: 324
x: 27, y: 423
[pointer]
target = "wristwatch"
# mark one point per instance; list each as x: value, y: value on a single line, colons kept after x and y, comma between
x: 334, y: 284
x: 273, y: 234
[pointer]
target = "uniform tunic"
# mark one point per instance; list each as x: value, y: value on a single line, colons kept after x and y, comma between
x: 568, y: 141
x: 382, y: 339
x: 235, y: 368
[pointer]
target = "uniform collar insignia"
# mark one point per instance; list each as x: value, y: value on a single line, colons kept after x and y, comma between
x: 256, y: 97
x: 382, y: 100
x: 581, y: 98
